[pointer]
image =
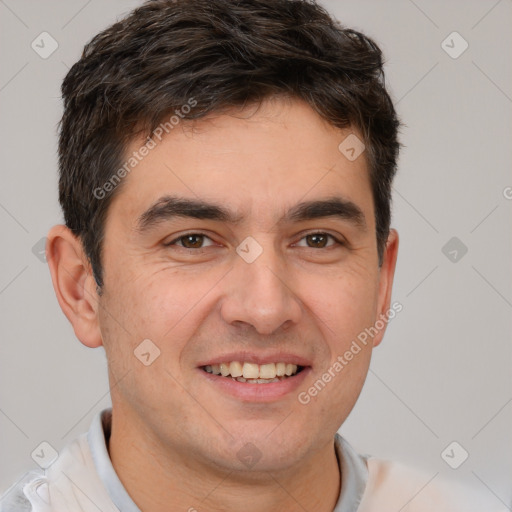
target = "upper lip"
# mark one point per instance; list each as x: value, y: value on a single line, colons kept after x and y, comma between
x: 252, y: 357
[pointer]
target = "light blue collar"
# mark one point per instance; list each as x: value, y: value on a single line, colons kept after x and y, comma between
x: 97, y: 438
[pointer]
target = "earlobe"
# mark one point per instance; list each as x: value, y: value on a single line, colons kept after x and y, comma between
x: 74, y: 284
x: 387, y: 274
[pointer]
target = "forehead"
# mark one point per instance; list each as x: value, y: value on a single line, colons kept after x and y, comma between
x: 257, y: 162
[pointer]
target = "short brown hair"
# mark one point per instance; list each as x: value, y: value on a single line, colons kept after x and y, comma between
x: 222, y: 53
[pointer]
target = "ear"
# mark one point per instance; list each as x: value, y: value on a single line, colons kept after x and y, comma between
x: 387, y: 274
x: 74, y: 284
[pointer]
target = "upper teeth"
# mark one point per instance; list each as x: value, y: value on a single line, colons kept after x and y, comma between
x: 251, y: 370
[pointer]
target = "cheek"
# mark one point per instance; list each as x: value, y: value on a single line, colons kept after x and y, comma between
x: 153, y: 302
x: 135, y: 312
x: 345, y: 303
x: 166, y: 306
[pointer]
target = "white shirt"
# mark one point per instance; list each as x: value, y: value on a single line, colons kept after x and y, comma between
x: 83, y: 479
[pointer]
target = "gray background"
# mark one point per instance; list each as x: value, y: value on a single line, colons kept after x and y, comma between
x: 442, y: 373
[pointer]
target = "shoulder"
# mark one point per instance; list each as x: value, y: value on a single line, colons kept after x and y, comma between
x: 70, y: 484
x: 394, y: 486
x: 14, y: 499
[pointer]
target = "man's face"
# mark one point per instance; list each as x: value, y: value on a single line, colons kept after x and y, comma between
x: 202, y: 292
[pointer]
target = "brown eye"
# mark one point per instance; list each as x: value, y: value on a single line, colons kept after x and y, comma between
x: 317, y: 240
x: 191, y: 241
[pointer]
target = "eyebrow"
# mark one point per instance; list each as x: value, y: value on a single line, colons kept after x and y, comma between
x: 169, y: 207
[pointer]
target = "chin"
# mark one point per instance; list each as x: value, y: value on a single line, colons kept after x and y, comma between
x: 266, y: 446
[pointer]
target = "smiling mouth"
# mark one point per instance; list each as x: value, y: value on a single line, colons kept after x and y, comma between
x: 252, y: 373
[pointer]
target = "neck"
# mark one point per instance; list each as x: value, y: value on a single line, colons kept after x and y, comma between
x: 159, y: 480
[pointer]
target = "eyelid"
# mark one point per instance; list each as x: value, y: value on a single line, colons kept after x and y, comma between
x: 183, y: 235
x: 336, y: 239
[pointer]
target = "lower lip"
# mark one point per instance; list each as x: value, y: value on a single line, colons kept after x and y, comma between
x: 257, y: 392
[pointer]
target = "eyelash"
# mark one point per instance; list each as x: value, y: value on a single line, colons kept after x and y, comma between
x: 173, y: 242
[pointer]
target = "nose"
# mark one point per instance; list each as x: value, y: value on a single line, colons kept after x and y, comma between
x: 260, y: 294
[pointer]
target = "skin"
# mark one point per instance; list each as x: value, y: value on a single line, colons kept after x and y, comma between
x: 175, y: 436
